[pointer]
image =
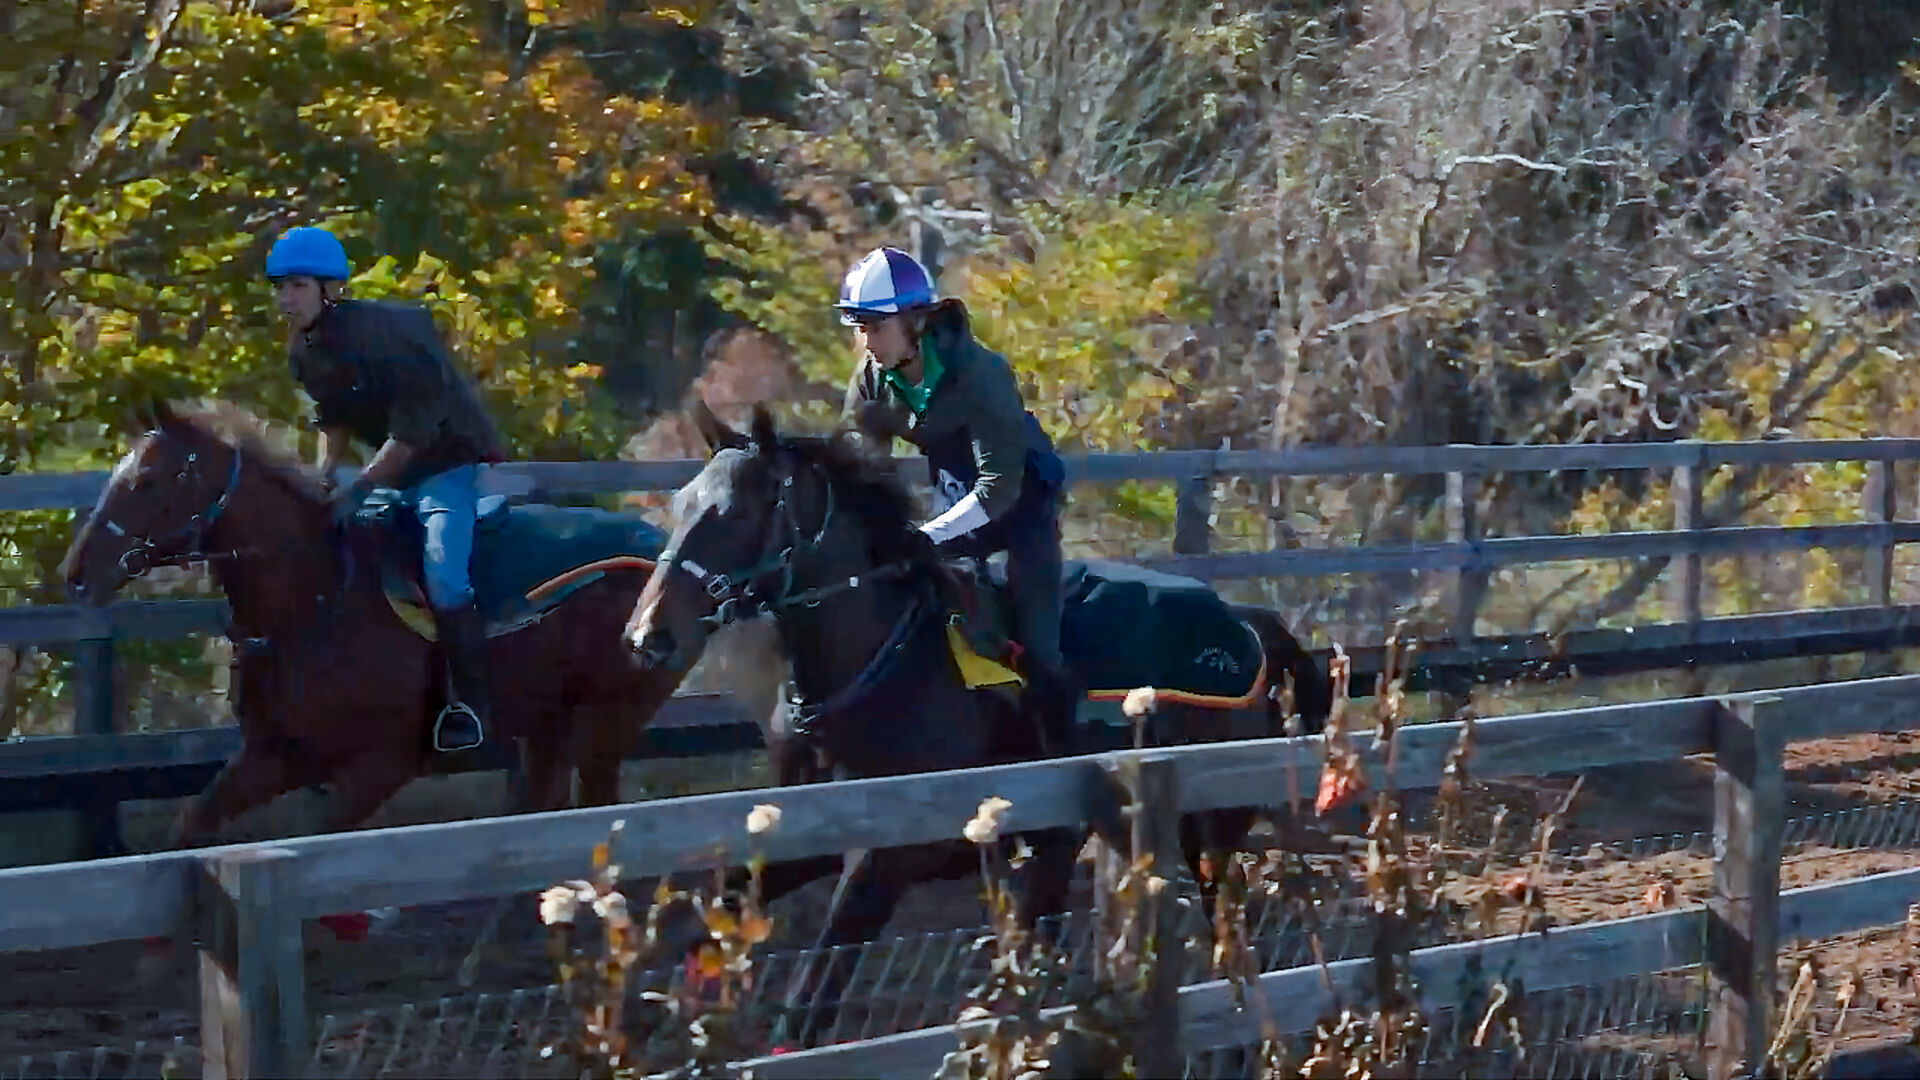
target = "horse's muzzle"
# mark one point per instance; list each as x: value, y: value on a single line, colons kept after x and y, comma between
x: 652, y: 651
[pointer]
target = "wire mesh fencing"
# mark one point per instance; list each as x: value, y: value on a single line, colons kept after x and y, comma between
x: 141, y: 1061
x: 1647, y: 1027
x: 901, y: 983
x: 917, y: 980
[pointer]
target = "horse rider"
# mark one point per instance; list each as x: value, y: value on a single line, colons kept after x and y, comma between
x: 998, y: 484
x: 381, y: 372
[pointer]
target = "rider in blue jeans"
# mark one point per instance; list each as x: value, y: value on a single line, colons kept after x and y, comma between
x: 380, y: 372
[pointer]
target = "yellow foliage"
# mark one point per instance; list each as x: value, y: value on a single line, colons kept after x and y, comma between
x: 1078, y: 322
x: 1084, y: 320
x: 1870, y: 395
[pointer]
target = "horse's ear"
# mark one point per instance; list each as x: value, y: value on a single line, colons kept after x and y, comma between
x: 765, y: 437
x: 718, y: 436
x: 146, y: 417
x: 162, y: 415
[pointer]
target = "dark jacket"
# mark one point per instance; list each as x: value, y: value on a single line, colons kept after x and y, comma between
x: 380, y: 371
x: 975, y: 428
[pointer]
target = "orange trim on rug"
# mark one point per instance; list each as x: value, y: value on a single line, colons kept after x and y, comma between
x: 1202, y: 701
x: 618, y: 562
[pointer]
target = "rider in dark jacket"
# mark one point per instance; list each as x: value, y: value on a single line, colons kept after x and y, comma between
x: 998, y: 484
x: 379, y: 372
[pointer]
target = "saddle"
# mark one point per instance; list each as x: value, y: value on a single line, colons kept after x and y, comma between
x: 526, y: 558
x: 1123, y: 627
x: 979, y: 626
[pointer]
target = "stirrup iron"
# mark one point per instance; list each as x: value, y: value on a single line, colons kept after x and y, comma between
x: 439, y: 726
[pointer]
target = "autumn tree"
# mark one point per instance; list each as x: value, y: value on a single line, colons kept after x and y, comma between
x: 1348, y: 223
x: 151, y: 150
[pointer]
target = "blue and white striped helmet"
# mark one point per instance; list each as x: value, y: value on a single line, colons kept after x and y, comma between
x: 888, y: 281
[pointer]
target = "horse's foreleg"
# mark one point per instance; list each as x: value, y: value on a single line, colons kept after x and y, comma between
x: 1210, y: 839
x: 254, y: 777
x: 861, y: 909
x: 366, y: 781
x: 548, y: 770
x: 1045, y: 880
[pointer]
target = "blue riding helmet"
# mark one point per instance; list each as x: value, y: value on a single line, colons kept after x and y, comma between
x: 309, y: 251
x: 887, y: 282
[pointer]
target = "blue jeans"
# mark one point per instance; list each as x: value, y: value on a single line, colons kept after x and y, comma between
x: 445, y: 503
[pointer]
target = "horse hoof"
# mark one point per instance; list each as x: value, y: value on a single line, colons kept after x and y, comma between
x: 156, y: 962
x: 350, y: 928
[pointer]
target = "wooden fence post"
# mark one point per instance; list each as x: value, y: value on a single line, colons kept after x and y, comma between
x: 1152, y: 785
x: 1882, y: 505
x: 1743, y: 912
x: 1882, y: 500
x: 1689, y: 514
x: 93, y: 689
x: 1468, y: 586
x: 95, y: 704
x: 1192, y: 525
x: 1469, y: 583
x: 253, y: 1010
x: 1688, y: 577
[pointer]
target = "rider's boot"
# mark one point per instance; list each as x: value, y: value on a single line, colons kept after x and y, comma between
x: 463, y: 637
x: 1053, y: 698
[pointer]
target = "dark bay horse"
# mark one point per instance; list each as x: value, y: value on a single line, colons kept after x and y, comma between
x: 333, y: 683
x: 822, y: 539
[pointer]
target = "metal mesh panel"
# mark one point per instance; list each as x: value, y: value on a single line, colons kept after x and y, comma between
x: 902, y: 983
x: 1638, y: 1027
x: 142, y: 1061
x: 479, y: 1035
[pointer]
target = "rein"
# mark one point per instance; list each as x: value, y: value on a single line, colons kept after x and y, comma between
x: 148, y: 553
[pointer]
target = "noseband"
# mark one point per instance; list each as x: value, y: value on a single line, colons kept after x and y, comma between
x: 148, y: 553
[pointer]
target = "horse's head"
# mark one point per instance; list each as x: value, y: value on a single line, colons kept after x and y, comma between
x: 765, y: 525
x: 160, y: 507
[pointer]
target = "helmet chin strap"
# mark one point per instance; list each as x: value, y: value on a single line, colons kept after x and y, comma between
x: 327, y: 303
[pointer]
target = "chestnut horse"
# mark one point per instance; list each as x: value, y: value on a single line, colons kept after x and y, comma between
x: 336, y: 680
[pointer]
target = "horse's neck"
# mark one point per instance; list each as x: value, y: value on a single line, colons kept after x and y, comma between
x: 830, y: 645
x: 282, y: 572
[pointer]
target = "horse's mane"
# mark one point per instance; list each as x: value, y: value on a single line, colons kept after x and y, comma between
x: 259, y: 441
x: 877, y: 493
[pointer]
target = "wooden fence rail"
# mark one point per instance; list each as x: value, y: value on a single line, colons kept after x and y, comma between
x: 55, y: 491
x: 93, y: 774
x: 242, y: 907
x: 1465, y: 554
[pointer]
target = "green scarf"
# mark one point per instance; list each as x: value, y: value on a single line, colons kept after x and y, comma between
x: 916, y: 395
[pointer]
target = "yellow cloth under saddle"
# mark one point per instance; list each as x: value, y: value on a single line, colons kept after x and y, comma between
x: 413, y: 611
x: 976, y: 670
